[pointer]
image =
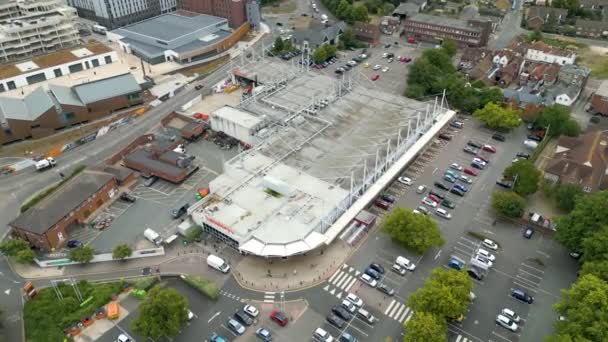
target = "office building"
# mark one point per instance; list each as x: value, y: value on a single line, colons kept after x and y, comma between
x: 113, y: 14
x: 233, y: 10
x: 435, y: 29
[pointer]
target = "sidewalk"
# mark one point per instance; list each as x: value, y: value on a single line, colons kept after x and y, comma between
x: 294, y: 273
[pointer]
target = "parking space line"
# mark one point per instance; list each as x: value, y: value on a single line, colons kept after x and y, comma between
x: 530, y: 274
x: 525, y: 287
x: 498, y: 335
x: 528, y: 281
x: 534, y: 268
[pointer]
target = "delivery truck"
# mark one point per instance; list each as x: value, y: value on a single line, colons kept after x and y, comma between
x: 153, y: 236
x: 218, y: 263
x: 45, y: 163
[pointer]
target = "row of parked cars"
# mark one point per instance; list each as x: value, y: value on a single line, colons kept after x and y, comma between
x: 289, y: 55
x: 351, y: 64
x: 350, y: 307
x: 246, y: 317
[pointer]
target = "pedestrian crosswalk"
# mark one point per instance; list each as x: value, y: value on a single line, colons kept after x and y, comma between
x: 461, y: 338
x: 232, y: 296
x: 342, y: 281
x: 399, y: 312
x: 269, y: 297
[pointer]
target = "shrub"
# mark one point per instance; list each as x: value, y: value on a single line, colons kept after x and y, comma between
x: 146, y: 283
x: 204, y: 286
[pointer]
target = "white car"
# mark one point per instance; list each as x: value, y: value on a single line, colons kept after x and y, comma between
x: 384, y: 55
x: 486, y: 254
x: 506, y: 323
x: 377, y: 67
x: 416, y: 211
x: 456, y: 166
x: 510, y: 314
x: 429, y: 202
x: 443, y: 213
x: 123, y: 338
x: 421, y: 189
x: 368, y: 280
x: 405, y: 180
x: 400, y: 270
x: 490, y: 244
x: 351, y: 63
x: 190, y: 314
x: 405, y: 262
x: 479, y: 161
x: 251, y: 310
x: 385, y: 69
x: 350, y: 307
x: 483, y: 260
x: 322, y: 335
x: 465, y: 179
x: 353, y: 298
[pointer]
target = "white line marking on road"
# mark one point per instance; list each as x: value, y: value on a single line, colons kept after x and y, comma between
x: 340, y: 278
x: 400, y: 319
x: 333, y: 276
x: 458, y: 338
x: 534, y: 268
x: 530, y: 274
x: 528, y: 281
x: 389, y: 307
x: 525, y: 286
x: 435, y: 170
x: 409, y: 316
x: 344, y: 281
x: 333, y: 291
x: 339, y: 295
x: 7, y: 292
x: 344, y: 266
x: 437, y: 255
x: 347, y: 288
x: 351, y: 269
x: 398, y: 313
x: 498, y: 335
x: 543, y: 254
x: 215, y: 315
x: 395, y: 309
x: 268, y: 300
x: 326, y: 288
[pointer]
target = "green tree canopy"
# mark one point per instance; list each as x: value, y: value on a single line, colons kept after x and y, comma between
x: 585, y: 307
x: 498, y: 117
x: 596, y: 268
x: 445, y: 294
x: 450, y: 47
x: 388, y: 8
x: 566, y: 195
x: 595, y: 246
x: 413, y: 231
x: 12, y: 246
x: 588, y: 216
x: 121, y: 251
x: 528, y: 177
x: 278, y: 45
x: 162, y: 314
x: 508, y: 203
x: 81, y: 254
x: 330, y: 50
x: 557, y: 119
x: 359, y: 13
x: 319, y: 55
x: 25, y: 256
x: 426, y: 327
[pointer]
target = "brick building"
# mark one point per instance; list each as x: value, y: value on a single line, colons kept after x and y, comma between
x: 42, y: 113
x: 435, y: 29
x: 48, y: 224
x: 368, y: 33
x: 599, y: 101
x: 233, y: 10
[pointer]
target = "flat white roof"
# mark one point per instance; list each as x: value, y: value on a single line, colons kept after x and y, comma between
x: 239, y: 117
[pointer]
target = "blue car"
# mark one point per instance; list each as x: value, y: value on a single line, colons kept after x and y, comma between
x: 455, y: 264
x: 449, y: 178
x: 372, y: 273
x: 461, y: 187
x: 216, y: 338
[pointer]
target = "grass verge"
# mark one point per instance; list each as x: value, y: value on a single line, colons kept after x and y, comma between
x: 205, y: 68
x: 46, y: 316
x: 202, y: 285
x: 32, y: 201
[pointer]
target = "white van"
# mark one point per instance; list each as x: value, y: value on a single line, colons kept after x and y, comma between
x: 218, y: 263
x: 405, y: 263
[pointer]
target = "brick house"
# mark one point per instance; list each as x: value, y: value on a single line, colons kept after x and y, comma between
x: 591, y: 28
x: 235, y: 11
x: 538, y: 16
x: 368, y: 33
x: 599, y: 100
x: 48, y: 224
x: 470, y: 33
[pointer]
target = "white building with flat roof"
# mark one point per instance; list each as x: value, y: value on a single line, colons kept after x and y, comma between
x: 236, y: 123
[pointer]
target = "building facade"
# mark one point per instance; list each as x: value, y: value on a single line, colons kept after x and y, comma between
x: 254, y: 15
x: 36, y: 27
x: 599, y: 100
x: 471, y: 33
x: 113, y: 14
x: 541, y: 52
x: 233, y: 10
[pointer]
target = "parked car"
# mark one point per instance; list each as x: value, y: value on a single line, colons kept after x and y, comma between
x: 405, y: 180
x: 534, y: 137
x: 421, y: 189
x: 335, y: 321
x: 213, y: 338
x: 470, y: 171
x: 499, y: 137
x: 456, y: 264
x: 279, y: 317
x: 522, y: 296
x: 489, y: 148
x: 474, y: 144
x: 461, y: 187
x: 465, y: 179
x: 251, y: 310
x: 528, y: 233
x: 353, y: 298
x: 341, y: 312
x: 456, y: 191
x: 457, y: 124
x: 235, y: 326
x: 377, y: 267
x: 74, y: 244
x: 443, y: 213
x: 480, y: 259
x: 437, y: 194
x: 490, y: 244
x: 470, y: 150
x: 429, y: 202
x: 505, y: 183
x: 510, y: 314
x: 368, y: 280
x: 386, y: 290
x: 388, y: 198
x: 442, y: 186
x: 381, y: 204
x: 398, y: 269
x: 449, y: 178
x: 322, y: 335
x: 523, y: 155
x: 150, y: 181
x: 433, y: 198
x: 375, y: 77
x: 448, y: 204
x: 244, y: 318
x: 486, y: 254
x: 478, y: 165
x: 179, y: 212
x: 372, y: 273
x: 506, y: 323
x: 475, y: 273
x: 263, y: 334
x: 456, y: 166
x: 377, y: 67
x: 346, y: 337
x: 127, y: 197
x: 445, y: 136
x: 452, y: 173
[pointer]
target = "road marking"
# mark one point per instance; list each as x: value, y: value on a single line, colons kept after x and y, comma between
x: 530, y: 274
x: 7, y: 292
x: 333, y: 276
x: 400, y: 319
x: 498, y: 335
x: 409, y: 317
x: 435, y: 170
x: 534, y: 268
x: 215, y: 315
x: 398, y: 313
x: 339, y: 278
x: 543, y: 254
x: 437, y: 255
x: 344, y: 281
x: 389, y: 307
x: 350, y: 285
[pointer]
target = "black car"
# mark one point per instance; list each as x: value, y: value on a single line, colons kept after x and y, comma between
x: 475, y: 273
x: 442, y: 186
x: 127, y: 197
x: 279, y: 24
x: 470, y: 150
x: 528, y: 233
x: 74, y: 244
x: 499, y: 137
x: 505, y: 183
x: 474, y: 144
x: 150, y: 181
x: 445, y: 136
x: 388, y: 198
x: 244, y: 318
x: 522, y: 295
x: 534, y: 137
x: 341, y: 312
x: 522, y: 155
x: 339, y: 71
x: 335, y: 321
x: 456, y: 191
x: 198, y: 87
x: 372, y: 273
x: 386, y: 290
x: 386, y: 46
x: 437, y: 194
x: 377, y: 267
x: 178, y: 212
x: 478, y: 166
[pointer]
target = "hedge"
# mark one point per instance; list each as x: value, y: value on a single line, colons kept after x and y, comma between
x: 204, y: 286
x: 146, y: 283
x: 32, y: 201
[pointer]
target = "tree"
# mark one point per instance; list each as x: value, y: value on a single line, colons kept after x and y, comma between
x: 440, y: 59
x: 330, y: 50
x: 426, y: 327
x: 348, y: 39
x: 414, y: 231
x: 585, y: 307
x: 535, y: 36
x: 121, y: 251
x: 566, y: 195
x: 359, y: 13
x: 498, y: 117
x: 388, y: 8
x: 82, y: 254
x: 508, y: 203
x: 342, y: 9
x: 527, y: 177
x: 278, y: 45
x: 557, y: 119
x: 450, y: 47
x: 12, y: 246
x: 162, y: 314
x: 446, y: 293
x: 25, y: 256
x: 588, y: 216
x: 595, y: 246
x: 596, y: 268
x: 319, y: 55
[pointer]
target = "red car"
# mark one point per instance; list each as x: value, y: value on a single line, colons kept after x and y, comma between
x: 433, y: 198
x: 483, y: 157
x: 470, y: 171
x: 375, y: 77
x: 279, y: 317
x: 411, y: 40
x: 489, y: 148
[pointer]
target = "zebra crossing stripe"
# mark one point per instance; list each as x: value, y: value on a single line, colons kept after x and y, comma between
x: 398, y: 313
x: 400, y: 320
x: 333, y: 276
x: 339, y: 278
x: 409, y: 316
x: 395, y: 309
x: 344, y: 281
x: 351, y: 284
x: 389, y: 307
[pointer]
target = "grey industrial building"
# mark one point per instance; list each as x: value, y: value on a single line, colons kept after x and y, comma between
x: 113, y: 14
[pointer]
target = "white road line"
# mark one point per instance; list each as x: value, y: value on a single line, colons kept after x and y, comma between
x: 389, y: 307
x: 437, y: 255
x: 395, y: 308
x: 347, y: 288
x: 268, y: 300
x: 527, y: 287
x: 409, y: 316
x: 527, y: 281
x: 504, y: 338
x: 458, y: 338
x: 398, y: 313
x: 530, y: 274
x: 339, y: 278
x: 333, y: 276
x: 534, y: 268
x: 344, y: 281
x: 400, y: 319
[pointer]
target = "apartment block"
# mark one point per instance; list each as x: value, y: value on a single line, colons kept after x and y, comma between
x: 114, y: 14
x: 36, y: 27
x: 435, y: 29
x: 233, y: 10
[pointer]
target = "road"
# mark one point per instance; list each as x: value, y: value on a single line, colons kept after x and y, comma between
x: 509, y: 28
